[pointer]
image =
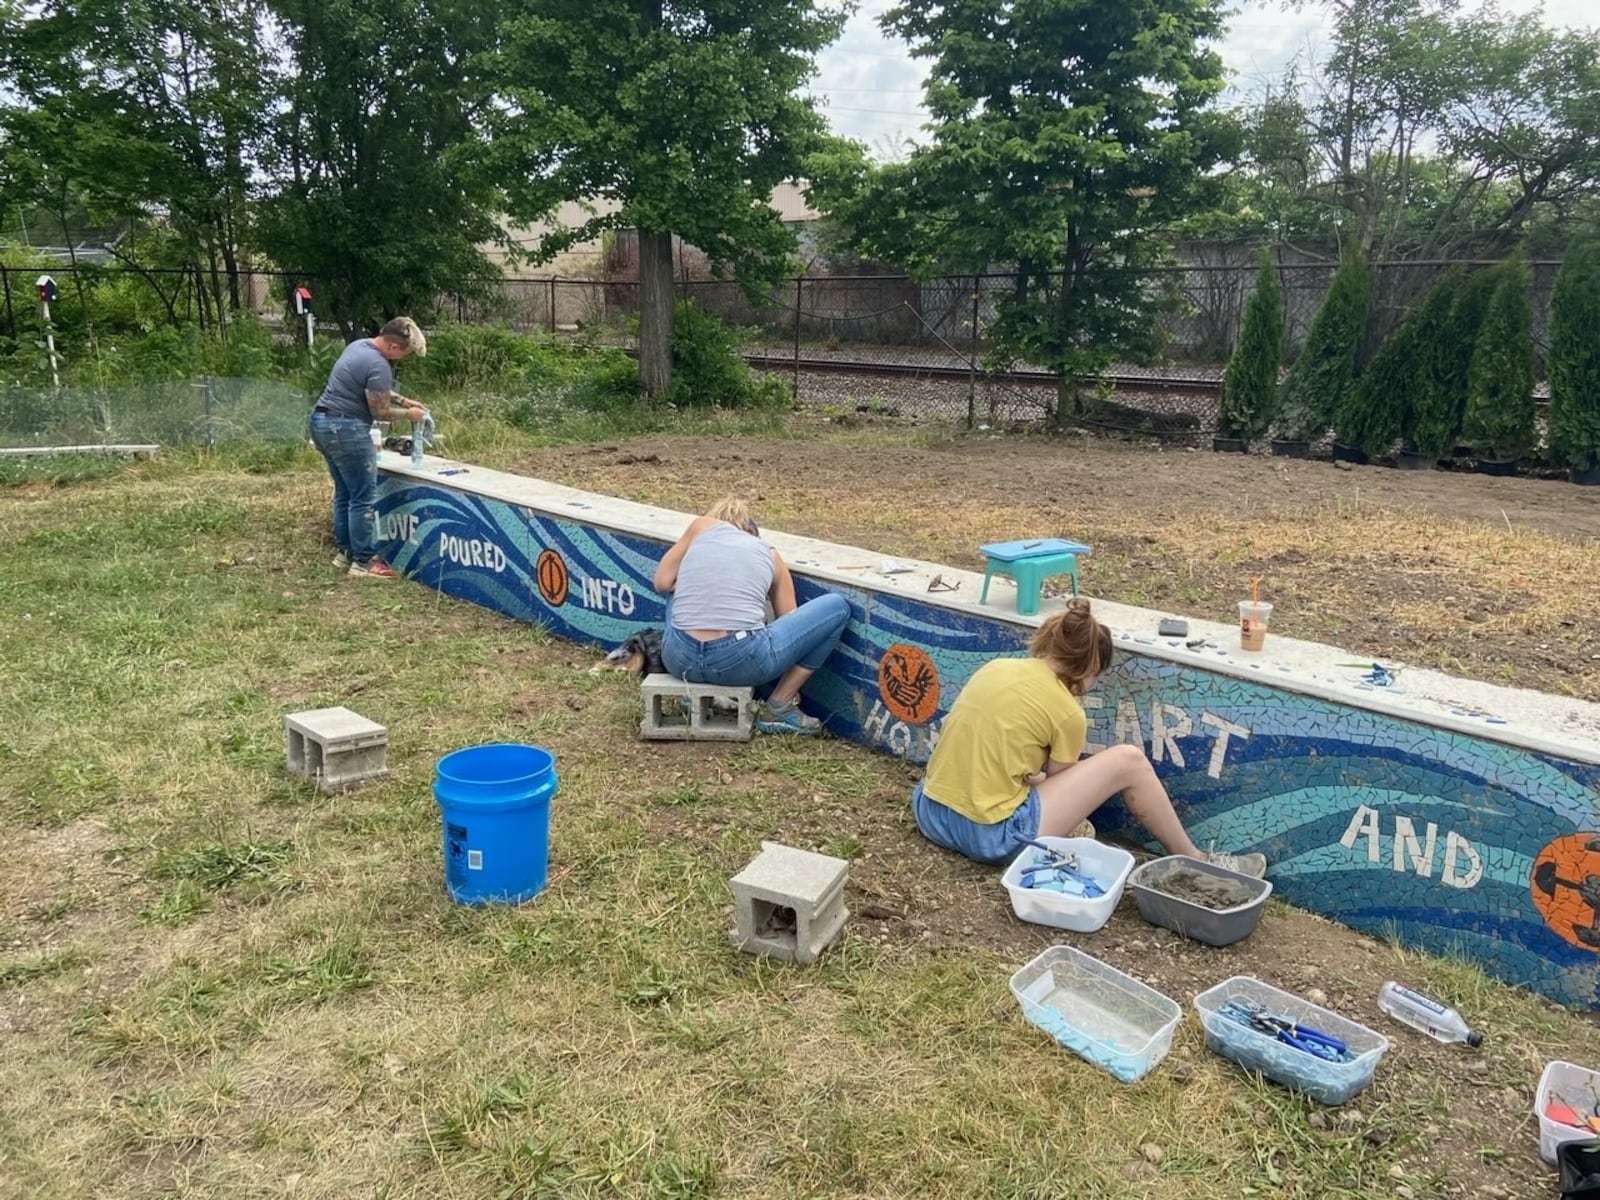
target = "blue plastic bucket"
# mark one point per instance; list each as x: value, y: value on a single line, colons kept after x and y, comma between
x: 495, y: 801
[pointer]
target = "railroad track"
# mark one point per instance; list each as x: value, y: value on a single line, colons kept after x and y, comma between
x: 1185, y: 385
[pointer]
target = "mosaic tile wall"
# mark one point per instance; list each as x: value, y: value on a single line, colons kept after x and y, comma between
x: 1450, y: 842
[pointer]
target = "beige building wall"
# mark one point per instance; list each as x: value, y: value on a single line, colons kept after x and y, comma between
x: 585, y: 260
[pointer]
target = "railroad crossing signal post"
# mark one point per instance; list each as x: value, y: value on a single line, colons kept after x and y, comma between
x: 302, y: 306
x: 47, y: 294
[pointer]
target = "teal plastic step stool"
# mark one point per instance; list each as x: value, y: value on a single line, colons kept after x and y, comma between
x: 1030, y: 563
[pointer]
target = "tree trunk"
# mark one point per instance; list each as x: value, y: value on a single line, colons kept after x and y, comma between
x: 655, y: 313
x: 1058, y: 414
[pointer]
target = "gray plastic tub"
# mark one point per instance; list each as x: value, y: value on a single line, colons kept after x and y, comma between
x: 1213, y: 926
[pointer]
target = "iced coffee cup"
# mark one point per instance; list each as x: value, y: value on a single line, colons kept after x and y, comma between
x: 1253, y: 618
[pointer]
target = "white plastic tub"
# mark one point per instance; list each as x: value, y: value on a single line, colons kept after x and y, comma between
x: 1098, y: 1012
x: 1579, y: 1087
x: 1106, y: 865
x: 1325, y: 1082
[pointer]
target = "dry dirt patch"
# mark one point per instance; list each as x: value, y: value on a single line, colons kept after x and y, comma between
x: 1477, y: 576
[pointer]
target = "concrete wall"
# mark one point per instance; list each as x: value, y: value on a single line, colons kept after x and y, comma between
x: 1458, y: 816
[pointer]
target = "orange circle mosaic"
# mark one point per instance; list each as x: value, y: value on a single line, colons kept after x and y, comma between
x: 908, y: 683
x: 551, y: 572
x: 1565, y: 882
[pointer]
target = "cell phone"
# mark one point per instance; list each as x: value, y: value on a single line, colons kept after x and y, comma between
x: 1173, y: 627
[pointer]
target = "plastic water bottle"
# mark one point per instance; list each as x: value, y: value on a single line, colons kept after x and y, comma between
x: 1441, y: 1023
x: 376, y: 435
x: 416, y: 443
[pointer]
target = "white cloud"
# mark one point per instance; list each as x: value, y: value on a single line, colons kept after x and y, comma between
x: 871, y: 88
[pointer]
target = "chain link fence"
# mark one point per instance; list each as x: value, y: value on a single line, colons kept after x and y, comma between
x: 868, y: 342
x: 211, y: 411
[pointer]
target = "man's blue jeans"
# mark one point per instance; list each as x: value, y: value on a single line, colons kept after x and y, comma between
x: 753, y: 657
x: 353, y: 462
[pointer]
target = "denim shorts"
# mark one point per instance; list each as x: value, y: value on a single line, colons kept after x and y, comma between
x: 995, y: 844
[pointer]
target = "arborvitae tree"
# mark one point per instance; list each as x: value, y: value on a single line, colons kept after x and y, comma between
x: 1250, y: 384
x: 1453, y: 367
x: 1575, y: 358
x: 1323, y: 375
x: 1500, y: 417
x: 1431, y: 417
x: 1376, y: 410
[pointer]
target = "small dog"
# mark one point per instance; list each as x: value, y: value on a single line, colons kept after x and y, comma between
x: 641, y: 654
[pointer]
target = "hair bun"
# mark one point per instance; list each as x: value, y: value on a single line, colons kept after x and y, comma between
x: 1078, y: 606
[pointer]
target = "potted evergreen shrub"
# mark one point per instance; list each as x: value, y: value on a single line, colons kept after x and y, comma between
x: 1453, y: 366
x: 1250, y: 384
x: 1433, y: 418
x: 1317, y: 384
x: 1499, y: 423
x: 1575, y: 363
x: 1374, y: 414
x: 1423, y: 398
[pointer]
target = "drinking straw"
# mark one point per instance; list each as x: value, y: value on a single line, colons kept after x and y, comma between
x: 1255, y: 590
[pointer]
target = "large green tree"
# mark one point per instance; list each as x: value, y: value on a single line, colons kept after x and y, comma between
x: 686, y: 115
x: 141, y: 109
x: 1427, y: 131
x: 1066, y: 138
x: 381, y: 103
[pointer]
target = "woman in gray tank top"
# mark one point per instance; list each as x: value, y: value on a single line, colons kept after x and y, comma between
x: 719, y: 578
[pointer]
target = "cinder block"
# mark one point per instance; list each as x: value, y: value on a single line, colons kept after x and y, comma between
x: 697, y: 712
x: 789, y: 903
x: 336, y: 748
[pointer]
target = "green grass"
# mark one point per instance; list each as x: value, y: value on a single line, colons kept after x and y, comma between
x: 231, y: 981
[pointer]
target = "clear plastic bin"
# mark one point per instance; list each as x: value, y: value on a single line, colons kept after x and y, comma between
x: 1109, y: 866
x: 1577, y: 1086
x: 1325, y: 1082
x: 1097, y: 1011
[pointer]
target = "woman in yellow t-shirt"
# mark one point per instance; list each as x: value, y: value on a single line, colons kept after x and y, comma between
x: 1006, y: 767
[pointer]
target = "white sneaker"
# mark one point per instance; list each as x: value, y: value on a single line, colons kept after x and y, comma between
x: 1253, y: 865
x: 342, y: 561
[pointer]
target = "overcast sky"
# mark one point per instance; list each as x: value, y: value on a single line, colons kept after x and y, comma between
x: 872, y: 89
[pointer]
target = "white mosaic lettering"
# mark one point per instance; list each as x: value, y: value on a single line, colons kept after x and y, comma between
x: 1219, y: 748
x: 877, y: 723
x: 1164, y: 737
x: 608, y: 595
x: 1454, y: 845
x: 1405, y: 843
x: 400, y: 527
x: 1128, y: 728
x: 900, y: 738
x: 472, y: 552
x: 1365, y: 821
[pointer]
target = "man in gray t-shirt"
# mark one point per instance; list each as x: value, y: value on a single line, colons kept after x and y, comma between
x: 361, y: 390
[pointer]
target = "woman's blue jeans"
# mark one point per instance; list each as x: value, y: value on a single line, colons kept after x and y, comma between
x: 753, y: 657
x: 353, y: 462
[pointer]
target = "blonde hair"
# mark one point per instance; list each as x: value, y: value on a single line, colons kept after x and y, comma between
x: 1076, y: 646
x: 403, y: 331
x: 735, y: 511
